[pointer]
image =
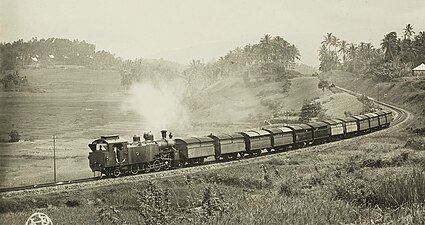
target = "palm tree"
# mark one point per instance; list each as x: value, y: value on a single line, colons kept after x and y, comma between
x: 408, y: 31
x: 334, y: 42
x: 266, y: 47
x: 352, y: 52
x: 389, y: 45
x: 328, y: 41
x: 343, y: 47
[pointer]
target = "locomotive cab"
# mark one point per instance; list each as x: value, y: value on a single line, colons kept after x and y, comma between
x: 108, y: 151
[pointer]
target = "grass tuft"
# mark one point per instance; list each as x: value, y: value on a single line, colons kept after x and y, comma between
x: 397, y: 191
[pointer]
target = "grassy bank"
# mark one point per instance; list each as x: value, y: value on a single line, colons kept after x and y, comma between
x: 375, y: 179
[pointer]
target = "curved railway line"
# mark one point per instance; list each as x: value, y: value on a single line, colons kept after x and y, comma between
x: 401, y: 116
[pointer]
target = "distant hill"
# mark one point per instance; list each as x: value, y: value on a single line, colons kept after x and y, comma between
x: 305, y: 69
x: 206, y: 52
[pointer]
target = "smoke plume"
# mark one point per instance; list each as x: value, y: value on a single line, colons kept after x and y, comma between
x: 158, y: 105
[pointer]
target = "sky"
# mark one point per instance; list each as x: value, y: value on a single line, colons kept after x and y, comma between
x: 181, y: 30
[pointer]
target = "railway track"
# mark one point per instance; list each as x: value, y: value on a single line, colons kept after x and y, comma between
x: 401, y: 116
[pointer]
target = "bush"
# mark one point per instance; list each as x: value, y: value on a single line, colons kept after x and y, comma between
x: 72, y: 203
x: 14, y: 136
x: 309, y: 110
x: 154, y: 205
x: 213, y: 203
x: 287, y: 189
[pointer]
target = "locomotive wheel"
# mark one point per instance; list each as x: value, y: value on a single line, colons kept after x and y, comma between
x: 167, y: 165
x: 156, y: 165
x: 116, y: 172
x: 146, y: 168
x: 107, y: 173
x: 134, y: 169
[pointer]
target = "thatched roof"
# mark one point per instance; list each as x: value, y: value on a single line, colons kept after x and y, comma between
x: 420, y: 68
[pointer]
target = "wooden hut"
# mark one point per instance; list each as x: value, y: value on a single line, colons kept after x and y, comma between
x: 419, y: 71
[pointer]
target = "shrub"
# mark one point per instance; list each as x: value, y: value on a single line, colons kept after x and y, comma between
x: 309, y: 110
x: 72, y: 203
x: 154, y: 205
x: 14, y: 136
x: 287, y: 189
x: 110, y: 215
x: 213, y: 202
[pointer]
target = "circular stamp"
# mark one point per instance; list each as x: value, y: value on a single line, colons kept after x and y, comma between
x: 39, y: 219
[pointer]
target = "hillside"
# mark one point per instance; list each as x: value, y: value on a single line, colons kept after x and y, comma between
x: 231, y: 100
x: 407, y: 93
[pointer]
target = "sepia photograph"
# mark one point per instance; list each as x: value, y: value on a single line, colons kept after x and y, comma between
x: 212, y: 112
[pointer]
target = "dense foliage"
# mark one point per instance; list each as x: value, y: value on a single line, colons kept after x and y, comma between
x: 269, y: 59
x: 53, y: 51
x: 394, y: 58
x: 155, y: 71
x: 309, y: 110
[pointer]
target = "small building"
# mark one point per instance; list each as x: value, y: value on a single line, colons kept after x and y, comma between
x: 419, y: 70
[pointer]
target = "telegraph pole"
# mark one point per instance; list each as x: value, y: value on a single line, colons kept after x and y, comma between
x: 54, y: 157
x: 378, y: 93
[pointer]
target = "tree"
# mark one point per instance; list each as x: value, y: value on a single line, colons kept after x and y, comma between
x: 309, y: 110
x: 334, y: 42
x: 327, y: 41
x: 408, y: 31
x: 394, y: 58
x: 343, y: 47
x: 419, y: 48
x: 389, y: 45
x: 322, y: 85
x: 328, y: 59
x: 54, y: 51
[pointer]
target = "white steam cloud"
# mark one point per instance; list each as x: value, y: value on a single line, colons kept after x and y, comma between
x: 159, y: 106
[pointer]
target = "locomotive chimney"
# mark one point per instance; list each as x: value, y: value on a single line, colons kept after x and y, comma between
x: 164, y: 134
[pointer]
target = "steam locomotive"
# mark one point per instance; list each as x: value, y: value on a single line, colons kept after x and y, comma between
x: 112, y: 156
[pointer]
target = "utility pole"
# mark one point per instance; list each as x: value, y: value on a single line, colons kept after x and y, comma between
x: 54, y: 157
x: 378, y: 93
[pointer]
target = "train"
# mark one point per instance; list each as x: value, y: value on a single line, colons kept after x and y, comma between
x: 113, y: 156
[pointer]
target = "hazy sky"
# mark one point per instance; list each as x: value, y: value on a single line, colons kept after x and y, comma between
x: 184, y: 29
